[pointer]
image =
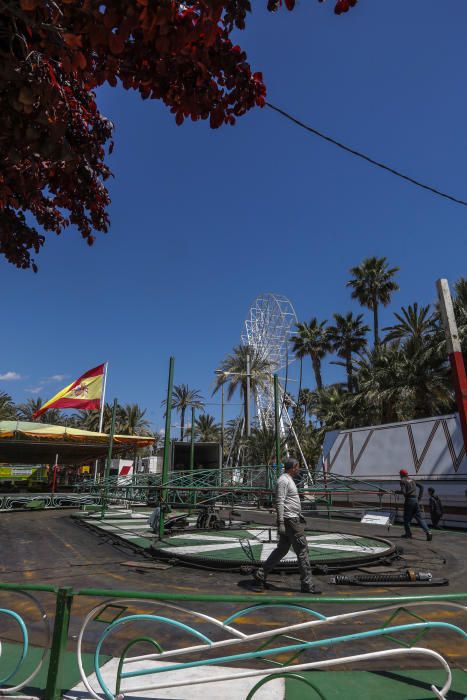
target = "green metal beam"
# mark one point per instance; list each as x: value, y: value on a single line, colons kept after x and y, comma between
x: 277, y: 424
x: 165, y: 466
x: 109, y: 461
x: 59, y: 643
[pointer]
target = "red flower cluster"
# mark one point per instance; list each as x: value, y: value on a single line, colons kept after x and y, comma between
x: 53, y: 55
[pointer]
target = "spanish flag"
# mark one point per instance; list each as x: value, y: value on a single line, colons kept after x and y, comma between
x: 85, y: 393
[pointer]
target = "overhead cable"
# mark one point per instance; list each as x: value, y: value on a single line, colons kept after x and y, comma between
x: 383, y: 166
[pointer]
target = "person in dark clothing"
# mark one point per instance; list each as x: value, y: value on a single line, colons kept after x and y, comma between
x: 408, y: 489
x: 436, y: 508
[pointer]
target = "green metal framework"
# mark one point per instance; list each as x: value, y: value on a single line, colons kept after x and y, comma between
x: 247, y: 485
x: 297, y: 640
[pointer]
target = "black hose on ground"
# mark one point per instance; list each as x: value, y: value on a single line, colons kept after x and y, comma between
x: 407, y: 577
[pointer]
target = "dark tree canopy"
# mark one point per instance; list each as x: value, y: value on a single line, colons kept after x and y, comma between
x: 55, y: 53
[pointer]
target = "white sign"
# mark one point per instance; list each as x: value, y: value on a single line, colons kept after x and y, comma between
x: 21, y: 471
x: 379, y: 518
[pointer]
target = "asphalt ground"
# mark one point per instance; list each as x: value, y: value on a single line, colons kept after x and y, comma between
x: 49, y: 547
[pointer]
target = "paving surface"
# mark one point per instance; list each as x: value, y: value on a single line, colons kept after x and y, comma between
x: 49, y: 547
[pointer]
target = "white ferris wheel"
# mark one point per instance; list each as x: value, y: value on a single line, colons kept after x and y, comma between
x: 268, y: 329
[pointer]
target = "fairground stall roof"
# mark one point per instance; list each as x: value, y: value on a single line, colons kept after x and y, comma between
x: 22, y: 442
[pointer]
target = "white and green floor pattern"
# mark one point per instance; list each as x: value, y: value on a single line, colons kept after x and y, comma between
x: 237, y: 543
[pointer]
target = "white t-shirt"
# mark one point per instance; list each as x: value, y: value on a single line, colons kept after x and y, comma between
x: 287, y: 499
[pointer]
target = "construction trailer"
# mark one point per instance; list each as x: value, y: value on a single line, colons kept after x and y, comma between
x: 431, y: 449
x: 151, y: 465
x: 207, y: 455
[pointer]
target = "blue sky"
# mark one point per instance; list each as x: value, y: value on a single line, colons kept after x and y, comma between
x: 204, y: 221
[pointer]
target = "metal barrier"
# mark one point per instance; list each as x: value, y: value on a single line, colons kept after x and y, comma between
x: 183, y: 632
x: 247, y: 485
x: 33, y: 501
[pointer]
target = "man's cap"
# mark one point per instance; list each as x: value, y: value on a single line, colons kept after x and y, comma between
x: 404, y: 472
x: 290, y: 463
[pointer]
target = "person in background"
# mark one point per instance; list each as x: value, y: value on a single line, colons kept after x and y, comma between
x: 291, y: 530
x: 436, y: 508
x: 154, y: 518
x: 412, y: 510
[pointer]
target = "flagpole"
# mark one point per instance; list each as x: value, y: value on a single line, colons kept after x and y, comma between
x: 101, y: 417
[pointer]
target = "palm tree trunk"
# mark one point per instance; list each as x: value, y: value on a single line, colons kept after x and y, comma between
x: 245, y: 407
x: 348, y: 365
x: 375, y: 323
x: 317, y: 371
x: 182, y: 423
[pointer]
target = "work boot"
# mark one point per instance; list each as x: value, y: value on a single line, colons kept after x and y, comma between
x: 313, y: 589
x: 429, y: 536
x: 260, y: 580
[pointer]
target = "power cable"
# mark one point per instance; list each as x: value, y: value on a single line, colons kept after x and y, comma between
x: 354, y: 152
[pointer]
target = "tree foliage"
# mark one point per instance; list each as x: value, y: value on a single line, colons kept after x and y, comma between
x: 312, y: 339
x: 53, y: 56
x: 233, y: 373
x: 405, y: 375
x: 206, y: 428
x: 372, y: 284
x: 7, y: 407
x: 182, y: 398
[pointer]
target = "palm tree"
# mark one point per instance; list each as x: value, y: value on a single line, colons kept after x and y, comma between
x: 381, y: 397
x: 262, y: 445
x: 89, y: 420
x: 413, y: 323
x: 206, y: 428
x: 460, y: 309
x: 26, y: 411
x: 7, y: 407
x: 347, y: 336
x: 399, y: 383
x: 304, y: 400
x: 312, y: 339
x: 133, y: 422
x: 182, y: 398
x: 427, y: 377
x: 233, y: 371
x: 331, y: 406
x: 373, y: 285
x: 460, y: 290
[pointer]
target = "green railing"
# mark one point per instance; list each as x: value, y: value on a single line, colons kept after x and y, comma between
x: 246, y: 485
x: 33, y: 501
x: 280, y: 632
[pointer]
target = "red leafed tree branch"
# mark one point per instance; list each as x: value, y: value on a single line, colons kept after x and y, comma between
x: 53, y: 56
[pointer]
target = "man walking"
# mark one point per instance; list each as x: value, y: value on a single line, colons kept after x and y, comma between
x: 291, y: 530
x: 408, y: 489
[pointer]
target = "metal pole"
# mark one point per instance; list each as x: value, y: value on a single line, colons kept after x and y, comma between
x: 222, y: 427
x: 165, y: 464
x: 454, y: 352
x: 109, y: 460
x: 192, y: 454
x: 248, y: 389
x: 55, y: 676
x: 101, y: 417
x: 277, y: 423
x: 54, y: 481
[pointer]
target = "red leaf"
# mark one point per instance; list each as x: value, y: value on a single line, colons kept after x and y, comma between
x: 116, y: 44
